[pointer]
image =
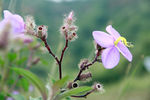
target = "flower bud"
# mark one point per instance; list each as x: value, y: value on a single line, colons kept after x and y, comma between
x: 85, y: 77
x: 72, y: 37
x: 73, y: 28
x: 42, y: 31
x: 70, y: 18
x: 29, y: 23
x: 82, y: 63
x: 68, y: 29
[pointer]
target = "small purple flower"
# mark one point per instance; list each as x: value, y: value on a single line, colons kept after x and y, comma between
x: 16, y: 22
x: 9, y: 98
x: 31, y: 88
x: 15, y: 92
x: 17, y: 26
x: 114, y: 44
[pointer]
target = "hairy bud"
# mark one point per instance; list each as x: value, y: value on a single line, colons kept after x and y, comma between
x: 72, y: 37
x: 85, y: 77
x: 68, y: 29
x: 29, y: 23
x: 82, y: 63
x: 70, y: 18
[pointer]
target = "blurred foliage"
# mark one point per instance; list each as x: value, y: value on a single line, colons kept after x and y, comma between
x: 130, y: 17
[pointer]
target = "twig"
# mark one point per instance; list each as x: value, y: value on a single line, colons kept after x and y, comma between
x: 49, y: 50
x: 62, y: 55
x: 63, y: 51
x: 55, y: 57
x: 86, y: 66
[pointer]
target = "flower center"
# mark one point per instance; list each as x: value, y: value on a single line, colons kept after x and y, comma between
x: 124, y: 41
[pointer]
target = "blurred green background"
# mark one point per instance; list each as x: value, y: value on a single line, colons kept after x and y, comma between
x: 127, y: 81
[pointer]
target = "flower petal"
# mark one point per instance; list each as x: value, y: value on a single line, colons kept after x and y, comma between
x: 112, y: 31
x: 103, y: 39
x: 110, y: 57
x: 7, y: 14
x: 124, y: 51
x: 16, y: 21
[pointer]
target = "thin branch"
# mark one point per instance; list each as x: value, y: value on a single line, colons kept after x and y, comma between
x: 56, y: 58
x: 86, y: 66
x: 62, y: 55
x: 63, y: 51
x: 49, y: 50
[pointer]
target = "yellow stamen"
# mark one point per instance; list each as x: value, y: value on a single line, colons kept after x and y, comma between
x: 124, y: 41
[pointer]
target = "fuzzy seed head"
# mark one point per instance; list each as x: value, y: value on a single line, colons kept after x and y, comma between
x: 30, y: 23
x: 82, y: 63
x: 68, y: 29
x: 72, y: 37
x: 85, y: 77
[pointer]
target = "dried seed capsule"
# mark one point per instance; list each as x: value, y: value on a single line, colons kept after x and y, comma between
x: 98, y: 87
x: 82, y: 63
x: 72, y: 85
x: 72, y: 37
x: 30, y: 23
x: 86, y: 76
x: 42, y: 31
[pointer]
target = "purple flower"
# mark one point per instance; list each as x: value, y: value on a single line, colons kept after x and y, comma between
x: 17, y: 26
x: 9, y: 98
x: 16, y: 22
x: 113, y: 44
x: 31, y: 88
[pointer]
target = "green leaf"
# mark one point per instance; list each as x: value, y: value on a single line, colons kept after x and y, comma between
x: 21, y: 60
x: 33, y: 78
x: 18, y: 97
x: 74, y: 91
x: 60, y: 83
x: 24, y: 83
x: 2, y: 96
x: 68, y: 98
x: 12, y: 56
x: 2, y: 62
x: 39, y: 98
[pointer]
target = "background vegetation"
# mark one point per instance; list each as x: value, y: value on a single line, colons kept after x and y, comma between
x: 130, y: 17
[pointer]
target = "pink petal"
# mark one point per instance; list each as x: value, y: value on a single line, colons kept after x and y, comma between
x: 124, y: 51
x: 112, y: 31
x: 103, y: 39
x: 16, y: 21
x: 110, y: 57
x: 7, y: 14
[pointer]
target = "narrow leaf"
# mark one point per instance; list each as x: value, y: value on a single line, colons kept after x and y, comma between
x: 74, y: 91
x: 33, y: 78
